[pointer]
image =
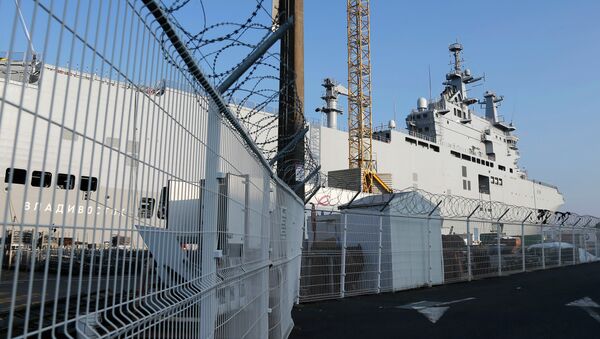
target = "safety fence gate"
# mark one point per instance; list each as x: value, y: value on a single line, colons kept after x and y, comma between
x: 133, y: 203
x: 410, y: 240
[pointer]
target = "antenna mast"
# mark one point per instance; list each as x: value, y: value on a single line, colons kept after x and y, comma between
x: 24, y: 27
x: 429, y: 68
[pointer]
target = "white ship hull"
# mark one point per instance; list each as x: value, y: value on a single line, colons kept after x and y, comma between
x: 413, y: 162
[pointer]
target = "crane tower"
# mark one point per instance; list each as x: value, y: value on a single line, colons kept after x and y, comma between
x: 359, y: 91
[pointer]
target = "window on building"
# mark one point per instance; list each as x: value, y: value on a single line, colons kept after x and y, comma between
x: 484, y: 184
x: 469, y: 185
x: 479, y: 161
x: 464, y: 184
x: 162, y: 204
x: 65, y: 181
x: 16, y: 176
x: 511, y: 170
x: 41, y: 179
x: 410, y: 140
x: 500, y: 181
x: 146, y: 207
x: 89, y: 184
x: 502, y: 168
x: 464, y: 171
x: 424, y: 115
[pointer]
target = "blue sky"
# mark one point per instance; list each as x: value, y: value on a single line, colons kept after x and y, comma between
x: 543, y: 56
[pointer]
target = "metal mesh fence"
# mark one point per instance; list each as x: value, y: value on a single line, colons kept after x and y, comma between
x: 372, y: 248
x: 134, y: 203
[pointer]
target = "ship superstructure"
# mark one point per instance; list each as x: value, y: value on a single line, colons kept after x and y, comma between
x: 447, y: 148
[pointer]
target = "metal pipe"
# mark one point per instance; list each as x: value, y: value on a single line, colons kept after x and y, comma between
x: 388, y: 202
x: 503, y: 214
x: 310, y: 176
x: 343, y: 207
x: 255, y: 55
x: 289, y: 146
x: 435, y: 208
x: 312, y: 194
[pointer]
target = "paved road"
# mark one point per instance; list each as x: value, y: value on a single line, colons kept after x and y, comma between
x: 528, y: 305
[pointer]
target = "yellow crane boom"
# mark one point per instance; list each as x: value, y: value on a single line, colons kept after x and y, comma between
x: 360, y: 119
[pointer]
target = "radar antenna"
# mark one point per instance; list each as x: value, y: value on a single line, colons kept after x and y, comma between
x: 456, y: 48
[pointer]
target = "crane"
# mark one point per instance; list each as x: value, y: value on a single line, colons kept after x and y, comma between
x: 360, y: 120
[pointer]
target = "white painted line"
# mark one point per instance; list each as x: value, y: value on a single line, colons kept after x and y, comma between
x: 432, y: 310
x: 456, y: 301
x: 587, y: 304
x: 433, y: 313
x: 583, y: 302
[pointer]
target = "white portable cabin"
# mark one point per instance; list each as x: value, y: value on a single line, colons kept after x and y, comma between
x: 384, y: 249
x: 411, y: 244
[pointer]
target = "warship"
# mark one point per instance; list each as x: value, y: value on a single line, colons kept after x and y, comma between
x: 447, y: 148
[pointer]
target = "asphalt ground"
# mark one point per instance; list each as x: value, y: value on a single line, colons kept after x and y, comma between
x: 524, y: 305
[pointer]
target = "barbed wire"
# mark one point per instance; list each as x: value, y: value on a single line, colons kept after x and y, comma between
x: 418, y: 202
x: 221, y: 47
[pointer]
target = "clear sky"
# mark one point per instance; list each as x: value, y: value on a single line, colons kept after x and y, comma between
x: 543, y: 56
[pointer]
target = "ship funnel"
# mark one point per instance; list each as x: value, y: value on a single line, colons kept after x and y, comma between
x: 331, y: 100
x: 491, y: 110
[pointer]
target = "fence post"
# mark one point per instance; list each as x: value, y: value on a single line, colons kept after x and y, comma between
x: 523, y: 241
x: 469, y: 244
x: 575, y: 250
x: 302, y: 244
x: 429, y: 282
x: 560, y: 243
x: 596, y: 242
x: 209, y: 222
x: 379, y: 254
x: 469, y: 272
x: 343, y: 266
x: 498, y: 235
x: 543, y: 254
x: 499, y: 251
x: 523, y: 268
